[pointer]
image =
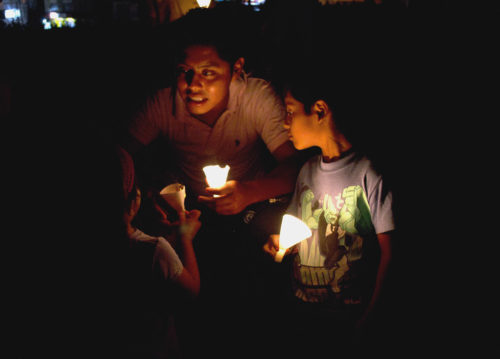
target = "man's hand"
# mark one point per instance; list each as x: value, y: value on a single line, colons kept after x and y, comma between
x: 233, y: 198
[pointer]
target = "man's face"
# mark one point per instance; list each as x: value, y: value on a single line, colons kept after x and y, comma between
x: 203, y: 82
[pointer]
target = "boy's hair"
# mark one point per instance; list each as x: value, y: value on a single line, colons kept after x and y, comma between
x: 310, y: 80
x: 353, y: 90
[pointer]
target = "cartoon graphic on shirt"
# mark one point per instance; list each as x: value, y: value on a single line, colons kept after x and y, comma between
x: 342, y: 222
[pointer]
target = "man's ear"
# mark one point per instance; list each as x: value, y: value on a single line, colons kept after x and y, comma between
x: 238, y: 67
x: 321, y: 108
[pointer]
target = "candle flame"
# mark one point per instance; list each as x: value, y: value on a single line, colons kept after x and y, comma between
x: 203, y: 3
x: 216, y: 175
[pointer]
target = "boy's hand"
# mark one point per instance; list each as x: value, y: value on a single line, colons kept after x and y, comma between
x: 272, y: 244
x: 234, y: 198
x: 190, y: 225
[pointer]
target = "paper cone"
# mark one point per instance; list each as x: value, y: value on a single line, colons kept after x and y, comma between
x: 292, y: 231
x: 175, y: 194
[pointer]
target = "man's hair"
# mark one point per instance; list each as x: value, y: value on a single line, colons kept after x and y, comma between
x: 222, y: 27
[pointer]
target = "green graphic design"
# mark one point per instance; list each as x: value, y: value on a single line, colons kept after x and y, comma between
x: 355, y: 215
x: 341, y: 223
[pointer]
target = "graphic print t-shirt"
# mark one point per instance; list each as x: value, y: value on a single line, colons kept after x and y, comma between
x: 345, y: 204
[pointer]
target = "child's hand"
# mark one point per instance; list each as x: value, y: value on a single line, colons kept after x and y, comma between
x: 272, y: 244
x: 164, y: 216
x: 154, y: 199
x: 190, y: 224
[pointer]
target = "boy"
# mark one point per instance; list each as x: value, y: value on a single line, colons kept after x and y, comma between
x: 337, y: 273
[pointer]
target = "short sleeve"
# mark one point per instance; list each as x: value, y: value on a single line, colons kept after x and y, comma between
x: 380, y: 201
x: 151, y: 120
x: 269, y: 114
x: 167, y: 260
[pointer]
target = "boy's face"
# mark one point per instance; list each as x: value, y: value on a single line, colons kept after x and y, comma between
x: 300, y: 125
x: 203, y: 82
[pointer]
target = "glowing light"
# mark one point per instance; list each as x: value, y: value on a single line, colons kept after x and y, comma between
x: 292, y: 231
x: 59, y: 22
x: 70, y: 21
x: 216, y: 175
x: 46, y: 24
x: 11, y: 14
x: 56, y: 21
x: 203, y: 3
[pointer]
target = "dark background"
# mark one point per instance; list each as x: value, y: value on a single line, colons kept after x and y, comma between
x: 70, y: 91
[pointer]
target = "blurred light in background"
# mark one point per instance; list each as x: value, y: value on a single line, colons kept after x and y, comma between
x: 56, y: 21
x: 254, y: 4
x: 203, y: 3
x: 12, y: 14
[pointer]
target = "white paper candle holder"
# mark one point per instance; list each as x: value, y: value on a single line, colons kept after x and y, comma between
x: 175, y: 195
x: 292, y: 231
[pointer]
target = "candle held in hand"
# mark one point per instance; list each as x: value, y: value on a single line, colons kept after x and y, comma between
x: 292, y: 231
x: 216, y: 175
x: 175, y: 194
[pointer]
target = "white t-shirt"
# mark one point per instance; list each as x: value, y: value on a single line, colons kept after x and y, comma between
x: 165, y: 258
x: 249, y: 129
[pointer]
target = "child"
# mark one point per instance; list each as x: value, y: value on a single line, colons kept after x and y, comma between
x: 183, y: 272
x: 158, y: 270
x: 337, y: 273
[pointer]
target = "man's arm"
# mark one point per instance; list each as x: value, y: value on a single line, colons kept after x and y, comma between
x: 131, y: 144
x: 235, y: 196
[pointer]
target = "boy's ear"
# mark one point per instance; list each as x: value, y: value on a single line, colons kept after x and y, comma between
x: 321, y: 108
x: 238, y: 66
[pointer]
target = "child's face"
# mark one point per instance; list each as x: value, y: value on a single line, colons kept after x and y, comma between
x: 300, y: 125
x: 136, y: 204
x: 203, y: 82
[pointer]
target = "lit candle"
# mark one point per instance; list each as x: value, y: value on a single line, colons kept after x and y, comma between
x: 203, y: 3
x: 292, y: 231
x: 216, y: 175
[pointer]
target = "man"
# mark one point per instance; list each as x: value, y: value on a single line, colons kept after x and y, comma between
x: 216, y: 114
